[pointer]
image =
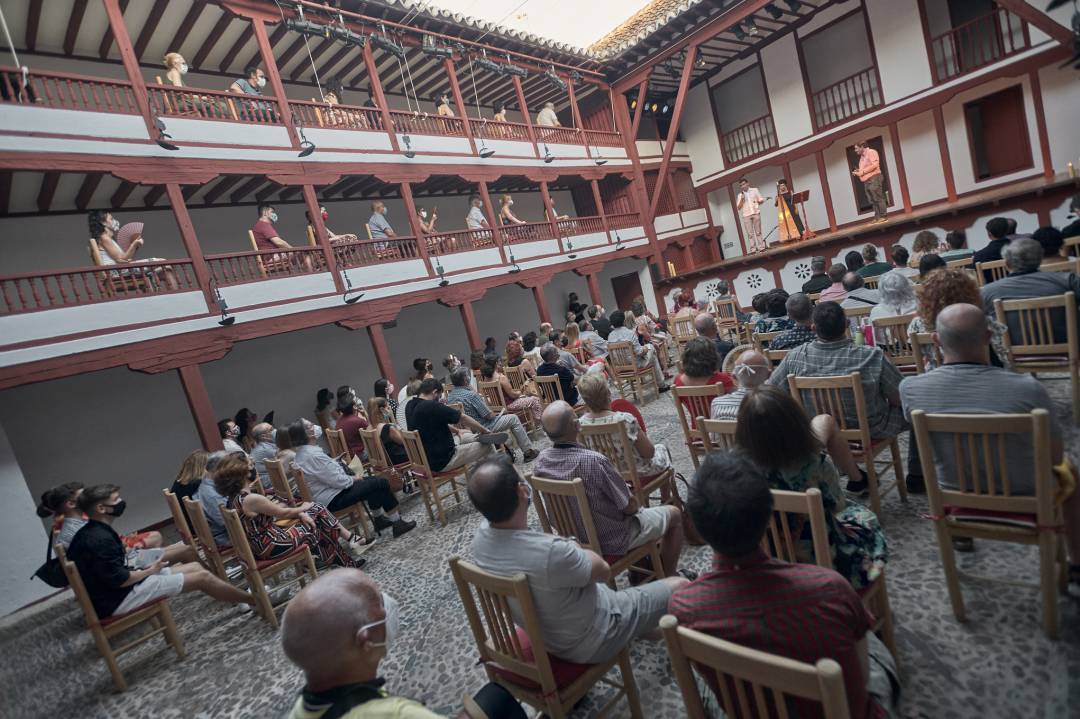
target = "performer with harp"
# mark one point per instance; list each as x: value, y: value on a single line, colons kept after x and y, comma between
x: 789, y: 222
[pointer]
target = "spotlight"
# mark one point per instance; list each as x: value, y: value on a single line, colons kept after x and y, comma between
x: 428, y: 47
x: 485, y: 151
x: 385, y: 43
x: 347, y: 36
x: 306, y: 146
x: 601, y: 161
x: 408, y: 151
x: 575, y: 76
x: 511, y: 69
x: 633, y: 104
x: 570, y: 250
x: 443, y: 282
x: 163, y: 143
x: 306, y: 27
x: 226, y: 318
x: 701, y: 61
x: 751, y: 26
x: 739, y: 33
x: 774, y: 11
x: 618, y: 241
x: 516, y: 268
x: 556, y: 81
x: 653, y: 107
x: 356, y: 294
x: 793, y: 5
x: 548, y: 157
x: 489, y: 65
x: 664, y: 109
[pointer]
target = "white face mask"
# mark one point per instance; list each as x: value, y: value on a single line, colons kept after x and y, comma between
x: 115, y: 226
x: 510, y: 202
x: 392, y: 621
x: 315, y: 431
x: 261, y: 82
x: 273, y: 217
x: 234, y: 432
x: 423, y: 213
x: 183, y: 68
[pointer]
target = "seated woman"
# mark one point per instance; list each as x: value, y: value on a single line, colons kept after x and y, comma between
x: 530, y: 347
x: 506, y: 215
x: 897, y: 298
x: 385, y: 388
x: 274, y: 529
x: 515, y: 356
x: 442, y: 105
x: 925, y: 243
x: 648, y: 330
x: 797, y: 463
x: 684, y: 306
x: 515, y: 401
x: 334, y: 237
x: 701, y: 366
x: 325, y: 414
x: 382, y: 421
x: 500, y: 112
x: 175, y: 68
x: 427, y: 220
x: 776, y: 319
x: 117, y: 250
x: 649, y: 458
x: 944, y: 287
x: 189, y: 477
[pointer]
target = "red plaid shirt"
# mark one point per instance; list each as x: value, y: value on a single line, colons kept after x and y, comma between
x: 800, y: 611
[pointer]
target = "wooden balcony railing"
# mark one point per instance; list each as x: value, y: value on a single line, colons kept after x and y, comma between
x: 527, y: 232
x: 623, y: 220
x: 602, y: 138
x: 67, y: 91
x: 558, y: 135
x: 750, y: 140
x: 212, y: 105
x: 237, y: 268
x: 848, y: 98
x: 342, y: 117
x: 492, y: 130
x: 977, y: 43
x: 364, y: 253
x: 86, y: 285
x: 581, y: 226
x: 418, y: 123
x: 445, y: 243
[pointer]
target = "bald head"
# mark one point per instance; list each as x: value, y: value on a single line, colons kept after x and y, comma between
x: 852, y: 281
x: 963, y: 333
x: 560, y: 422
x: 752, y: 369
x: 705, y: 325
x: 320, y: 627
x: 263, y: 432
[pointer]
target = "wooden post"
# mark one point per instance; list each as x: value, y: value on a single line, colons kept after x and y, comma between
x: 738, y: 219
x: 1040, y: 124
x: 380, y: 98
x: 202, y: 411
x: 541, y: 303
x: 575, y: 115
x: 496, y: 231
x: 131, y: 63
x: 599, y: 202
x: 826, y: 194
x: 676, y: 118
x: 414, y: 223
x: 191, y: 243
x: 525, y: 112
x: 274, y: 76
x: 382, y: 352
x: 321, y: 237
x: 594, y: 288
x: 943, y: 147
x: 550, y: 209
x: 901, y: 174
x: 471, y: 332
x: 448, y: 63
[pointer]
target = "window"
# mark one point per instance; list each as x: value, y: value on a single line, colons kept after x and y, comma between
x: 861, y: 200
x: 998, y: 133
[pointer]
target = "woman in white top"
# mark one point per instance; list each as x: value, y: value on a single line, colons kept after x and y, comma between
x: 506, y: 214
x: 118, y: 246
x: 650, y: 458
x: 897, y: 297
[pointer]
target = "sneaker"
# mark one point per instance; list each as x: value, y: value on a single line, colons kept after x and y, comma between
x: 963, y: 544
x: 859, y: 487
x: 380, y: 522
x: 665, y: 388
x: 915, y: 484
x: 357, y: 546
x: 278, y: 595
x: 493, y: 438
x: 530, y: 455
x: 402, y: 526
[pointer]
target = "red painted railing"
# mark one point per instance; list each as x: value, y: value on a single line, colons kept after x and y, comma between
x: 67, y: 91
x: 343, y: 117
x: 623, y: 220
x: 603, y: 138
x: 558, y: 135
x: 86, y: 285
x: 750, y: 140
x: 421, y: 123
x: 237, y: 268
x: 492, y: 130
x: 526, y: 232
x: 212, y: 105
x: 977, y: 43
x: 850, y: 97
x: 363, y: 253
x: 445, y: 243
x: 581, y: 226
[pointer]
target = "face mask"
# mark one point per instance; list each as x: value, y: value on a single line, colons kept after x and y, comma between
x: 315, y: 431
x: 234, y: 432
x: 261, y: 82
x: 423, y: 213
x: 115, y: 225
x: 511, y: 202
x: 273, y: 217
x: 392, y: 622
x: 325, y: 215
x: 117, y: 509
x: 183, y: 68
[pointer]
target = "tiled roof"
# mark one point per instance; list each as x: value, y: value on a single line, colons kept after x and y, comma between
x: 643, y: 23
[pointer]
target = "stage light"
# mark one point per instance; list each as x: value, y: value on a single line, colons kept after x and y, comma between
x: 701, y: 61
x: 601, y: 161
x: 653, y: 107
x: 226, y: 319
x: 556, y: 81
x: 633, y: 104
x: 776, y: 12
x: 356, y: 294
x: 443, y: 282
x: 516, y: 268
x: 408, y: 151
x: 489, y: 65
x: 485, y: 151
x: 548, y: 157
x: 306, y: 27
x: 306, y: 146
x: 384, y: 43
x: 570, y: 250
x: 511, y: 69
x: 347, y: 36
x: 751, y: 26
x: 664, y: 109
x: 793, y: 5
x: 428, y: 47
x: 163, y: 143
x: 739, y: 33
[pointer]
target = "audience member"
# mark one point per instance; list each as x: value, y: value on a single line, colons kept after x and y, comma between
x: 593, y: 341
x: 833, y: 354
x: 873, y: 266
x: 998, y: 230
x: 853, y: 261
x: 900, y: 259
x: 645, y: 324
x: 230, y: 434
x: 542, y: 337
x: 442, y: 105
x: 819, y: 279
x: 118, y: 246
x: 427, y: 219
x: 705, y: 324
x: 246, y: 419
x: 800, y: 611
x: 431, y: 419
x: 211, y: 500
x: 966, y: 383
x: 701, y: 366
x: 951, y: 287
x: 62, y: 503
x: 517, y: 402
x: 253, y: 83
x: 175, y: 68
x: 752, y: 369
x: 646, y: 354
x: 265, y: 448
x: 835, y: 292
x: 410, y: 391
x: 515, y: 357
x: 266, y: 235
x: 858, y: 294
x: 261, y: 517
x: 100, y: 556
x: 929, y: 263
x: 599, y: 320
x: 925, y: 243
x: 382, y: 421
x: 187, y: 479
x: 1073, y: 228
x: 490, y: 350
x: 351, y: 422
x: 325, y: 415
x: 500, y: 112
x: 897, y: 297
x: 684, y: 305
x: 799, y: 309
x: 379, y: 228
x: 1052, y: 241
x: 476, y: 408
x: 385, y: 388
x: 551, y: 365
x: 476, y: 219
x: 332, y: 236
x: 506, y: 215
x: 958, y: 249
x: 334, y: 488
x: 547, y: 117
x: 650, y: 458
x: 1022, y: 258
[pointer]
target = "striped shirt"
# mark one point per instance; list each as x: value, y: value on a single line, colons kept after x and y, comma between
x: 605, y: 488
x: 473, y: 404
x: 800, y: 611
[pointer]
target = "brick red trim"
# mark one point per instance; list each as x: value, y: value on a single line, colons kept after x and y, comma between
x: 202, y: 410
x: 943, y: 148
x: 1040, y: 123
x: 901, y: 173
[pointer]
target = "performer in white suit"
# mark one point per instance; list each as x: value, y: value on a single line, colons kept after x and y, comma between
x: 748, y: 203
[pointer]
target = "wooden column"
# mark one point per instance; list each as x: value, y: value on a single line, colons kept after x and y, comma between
x: 599, y: 201
x: 496, y: 231
x: 826, y: 194
x: 669, y: 182
x: 676, y: 118
x: 525, y: 112
x: 321, y: 237
x: 448, y: 63
x: 541, y: 303
x: 380, y: 98
x: 1040, y: 124
x: 638, y: 192
x: 901, y: 174
x: 946, y: 160
x: 688, y: 258
x: 131, y: 63
x: 191, y: 243
x: 471, y: 331
x: 738, y: 219
x: 594, y: 287
x: 382, y: 352
x: 414, y: 223
x: 575, y: 115
x: 274, y: 77
x: 714, y: 235
x: 546, y: 196
x: 202, y: 411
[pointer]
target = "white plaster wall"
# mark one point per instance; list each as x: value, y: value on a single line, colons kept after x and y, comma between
x: 1061, y: 98
x: 900, y: 47
x: 922, y: 158
x: 804, y: 176
x: 838, y: 172
x: 723, y: 214
x: 752, y: 282
x: 1026, y: 223
x: 506, y: 308
x: 740, y: 99
x: 558, y: 290
x: 23, y: 537
x: 791, y: 114
x: 428, y: 330
x: 699, y: 129
x: 615, y: 269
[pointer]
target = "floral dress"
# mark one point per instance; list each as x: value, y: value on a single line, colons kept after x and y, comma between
x: 661, y: 459
x: 856, y: 540
x: 269, y: 539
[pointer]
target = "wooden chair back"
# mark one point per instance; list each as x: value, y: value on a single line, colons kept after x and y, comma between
x: 871, y: 283
x: 338, y: 447
x: 77, y: 586
x: 1061, y: 264
x: 682, y: 330
x: 996, y: 268
x: 718, y: 435
x: 1072, y: 246
x: 814, y: 297
x: 610, y: 439
x: 841, y: 397
x: 180, y: 520
x: 492, y: 394
x: 891, y: 335
x: 302, y: 487
x: 215, y: 556
x: 963, y: 263
x: 859, y: 315
x: 694, y: 402
x: 516, y: 375
x: 414, y: 448
x: 762, y: 340
x: 726, y: 313
x: 563, y: 509
x: 1031, y: 329
x: 549, y: 388
x: 258, y: 258
x: 375, y: 451
x: 923, y: 346
x: 749, y: 682
x: 622, y: 358
x: 112, y: 283
x: 791, y: 511
x: 311, y: 236
x: 279, y: 480
x: 238, y: 536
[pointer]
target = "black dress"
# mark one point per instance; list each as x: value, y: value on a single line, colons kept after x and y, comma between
x: 394, y: 452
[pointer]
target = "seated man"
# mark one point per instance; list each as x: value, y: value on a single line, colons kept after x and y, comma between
x: 819, y: 280
x: 1022, y: 258
x: 350, y: 423
x: 211, y: 500
x: 334, y: 488
x: 967, y: 383
x: 799, y: 308
x: 620, y: 521
x: 646, y: 354
x: 593, y: 339
x: 598, y: 319
x: 858, y: 295
x: 265, y: 448
x: 1051, y: 240
x: 477, y: 408
x: 551, y: 366
x: 432, y: 421
x: 705, y: 325
x: 751, y: 370
x: 833, y: 354
x: 582, y: 619
x: 799, y: 611
x: 114, y: 588
x: 958, y: 249
x: 337, y: 630
x: 835, y: 292
x: 900, y: 259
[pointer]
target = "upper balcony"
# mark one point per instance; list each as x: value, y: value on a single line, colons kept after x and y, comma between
x: 843, y: 87
x: 972, y: 44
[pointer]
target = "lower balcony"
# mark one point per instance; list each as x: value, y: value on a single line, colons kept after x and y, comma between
x: 855, y: 95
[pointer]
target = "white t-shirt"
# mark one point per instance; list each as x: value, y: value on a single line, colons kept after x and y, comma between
x: 547, y: 117
x: 475, y: 219
x: 752, y: 200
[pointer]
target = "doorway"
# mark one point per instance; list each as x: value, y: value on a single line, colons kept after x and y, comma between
x: 626, y: 288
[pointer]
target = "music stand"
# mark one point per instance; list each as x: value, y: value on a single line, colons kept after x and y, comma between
x: 799, y: 199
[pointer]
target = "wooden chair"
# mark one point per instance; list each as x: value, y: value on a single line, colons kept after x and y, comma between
x: 550, y: 390
x: 180, y: 520
x: 279, y: 480
x: 791, y: 512
x: 121, y: 281
x: 996, y: 268
x: 922, y: 344
x: 563, y: 509
x: 1060, y: 264
x: 431, y: 481
x: 610, y: 439
x: 961, y: 264
x: 355, y: 516
x: 761, y: 340
x: 742, y: 676
x: 871, y: 283
x: 1031, y: 339
x: 814, y: 297
x: 156, y: 615
x: 274, y: 265
x: 513, y: 652
x: 682, y: 331
x: 625, y: 371
x: 258, y: 571
x: 492, y: 393
x: 335, y: 439
x: 983, y: 505
x: 691, y: 403
x: 380, y: 462
x: 516, y: 375
x: 1072, y: 246
x: 717, y: 435
x: 727, y: 316
x: 827, y: 395
x: 858, y: 316
x: 891, y: 335
x: 217, y: 558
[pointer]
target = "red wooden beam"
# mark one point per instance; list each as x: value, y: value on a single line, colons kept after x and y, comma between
x: 78, y: 9
x: 233, y: 51
x: 676, y: 118
x: 5, y: 191
x: 149, y: 27
x: 202, y: 410
x: 826, y: 193
x: 321, y: 237
x: 377, y: 94
x: 274, y: 77
x: 1040, y: 123
x: 212, y: 39
x: 33, y: 19
x: 191, y: 242
x: 260, y: 58
x: 86, y: 190
x: 47, y: 191
x: 946, y: 161
x: 382, y: 352
x: 182, y: 32
x: 1039, y: 19
x: 901, y: 172
x: 639, y: 108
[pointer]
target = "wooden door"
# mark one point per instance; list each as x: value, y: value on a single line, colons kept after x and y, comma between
x: 997, y: 129
x: 626, y: 287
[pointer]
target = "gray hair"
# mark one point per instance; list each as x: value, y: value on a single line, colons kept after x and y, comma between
x: 549, y: 353
x: 896, y: 290
x: 214, y: 459
x: 1023, y: 255
x: 459, y: 376
x: 722, y: 287
x: 818, y: 264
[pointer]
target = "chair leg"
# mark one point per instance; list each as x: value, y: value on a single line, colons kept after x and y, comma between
x: 438, y: 503
x: 888, y: 629
x: 1048, y: 582
x: 172, y: 636
x: 262, y: 599
x: 630, y: 688
x: 106, y: 651
x: 1076, y: 395
x: 898, y: 467
x: 872, y: 481
x: 425, y: 496
x: 1062, y: 567
x: 952, y: 575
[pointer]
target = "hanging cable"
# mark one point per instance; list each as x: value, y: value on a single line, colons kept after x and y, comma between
x: 11, y: 46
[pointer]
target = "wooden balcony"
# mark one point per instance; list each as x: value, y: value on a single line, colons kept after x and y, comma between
x: 365, y: 253
x: 750, y: 140
x: 339, y: 117
x: 855, y: 95
x: 236, y: 268
x: 527, y: 232
x: 624, y: 220
x: 65, y: 91
x: 977, y: 43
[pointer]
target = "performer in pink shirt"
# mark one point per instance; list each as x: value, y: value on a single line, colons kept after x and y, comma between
x: 748, y: 203
x: 869, y: 171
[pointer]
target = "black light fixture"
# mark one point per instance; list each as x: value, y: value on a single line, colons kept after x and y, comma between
x: 548, y: 157
x: 793, y: 5
x: 485, y: 151
x: 226, y: 318
x: 511, y: 69
x: 383, y: 42
x: 349, y: 290
x: 701, y: 61
x: 618, y: 241
x: 408, y: 151
x: 347, y: 36
x: 443, y: 282
x: 161, y: 140
x: 429, y: 47
x: 739, y: 33
x: 774, y: 11
x: 487, y: 64
x: 666, y: 107
x: 306, y: 146
x: 516, y: 268
x: 570, y: 249
x: 575, y: 76
x: 751, y: 26
x: 601, y: 161
x: 556, y: 81
x: 306, y: 27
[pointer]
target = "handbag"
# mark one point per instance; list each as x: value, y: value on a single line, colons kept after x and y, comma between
x: 51, y: 572
x: 690, y: 534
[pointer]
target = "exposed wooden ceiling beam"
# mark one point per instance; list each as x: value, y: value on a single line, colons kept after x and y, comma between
x: 275, y: 38
x: 149, y: 27
x: 212, y: 39
x: 87, y: 189
x: 247, y: 188
x: 289, y: 192
x: 283, y: 59
x: 221, y: 188
x: 122, y: 193
x: 336, y: 58
x: 189, y: 191
x: 182, y: 32
x: 232, y: 52
x: 153, y: 195
x: 318, y: 52
x: 48, y: 190
x: 78, y: 9
x: 33, y: 19
x: 107, y: 36
x: 265, y: 192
